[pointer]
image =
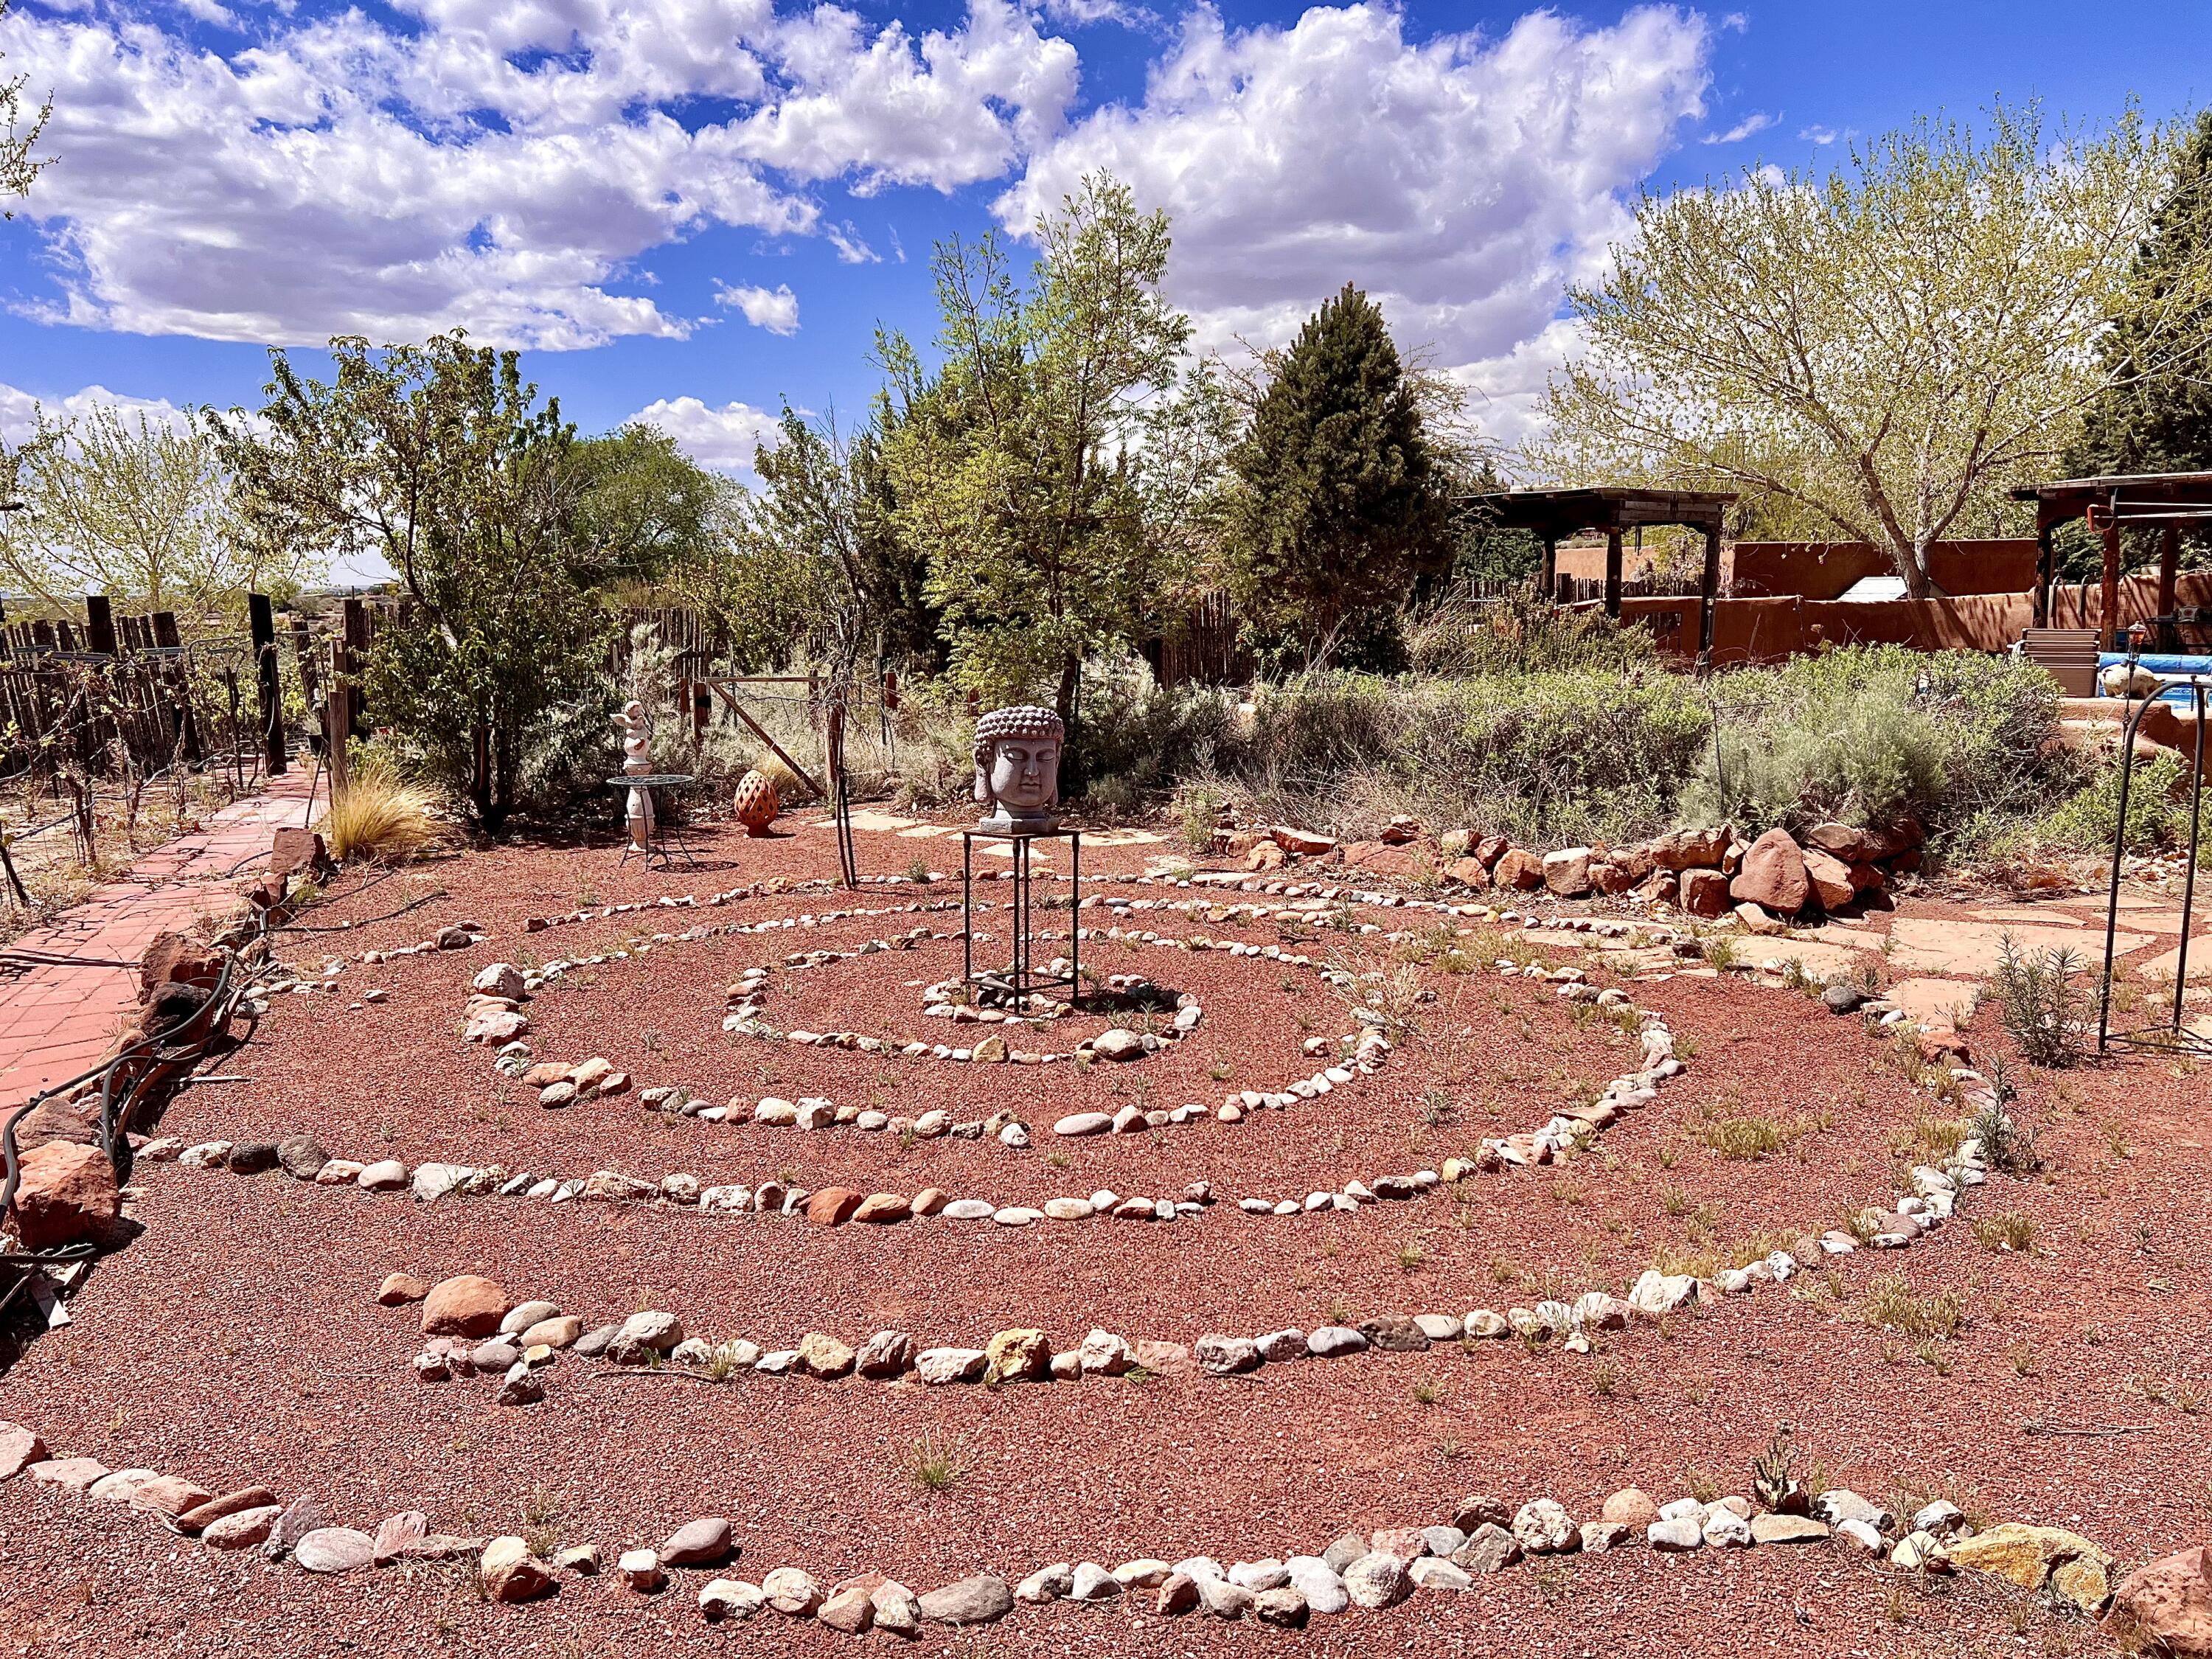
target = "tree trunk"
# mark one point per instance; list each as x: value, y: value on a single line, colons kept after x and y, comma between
x: 1071, y: 670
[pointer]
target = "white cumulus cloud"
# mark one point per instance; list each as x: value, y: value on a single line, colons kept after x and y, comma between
x: 508, y: 165
x: 724, y: 439
x: 1461, y: 180
x: 774, y: 309
x: 20, y: 410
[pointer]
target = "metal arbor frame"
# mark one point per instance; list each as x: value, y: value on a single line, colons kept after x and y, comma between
x: 2174, y: 1035
x: 1020, y: 981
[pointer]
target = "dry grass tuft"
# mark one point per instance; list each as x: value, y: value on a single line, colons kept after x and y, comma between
x: 379, y: 816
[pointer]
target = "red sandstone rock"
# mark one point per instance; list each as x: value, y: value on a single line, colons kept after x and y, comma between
x: 399, y: 1288
x: 1840, y: 840
x: 1381, y: 859
x: 1773, y: 875
x: 1468, y: 873
x: 833, y: 1206
x: 2166, y: 1606
x: 66, y: 1195
x: 1685, y: 849
x: 172, y: 957
x: 1518, y: 868
x: 1265, y: 855
x: 467, y: 1306
x: 1704, y: 892
x: 296, y: 851
x: 1304, y: 842
x: 19, y: 1449
x: 1831, y: 877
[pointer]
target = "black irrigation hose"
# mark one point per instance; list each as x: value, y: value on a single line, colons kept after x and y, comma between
x: 115, y: 1117
x: 370, y: 921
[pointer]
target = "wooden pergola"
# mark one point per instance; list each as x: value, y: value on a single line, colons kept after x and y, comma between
x: 2169, y: 500
x: 1553, y: 515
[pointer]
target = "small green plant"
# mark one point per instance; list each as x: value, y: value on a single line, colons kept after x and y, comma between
x: 2007, y: 1144
x: 2038, y: 1004
x: 1891, y: 1304
x: 1412, y: 1257
x: 2006, y: 1230
x: 1746, y: 1139
x: 933, y: 1464
x: 1427, y: 1391
x: 918, y: 870
x: 1774, y: 1476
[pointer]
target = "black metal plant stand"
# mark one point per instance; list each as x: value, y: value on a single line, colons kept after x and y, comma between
x: 662, y: 836
x: 1020, y: 981
x: 2175, y: 1034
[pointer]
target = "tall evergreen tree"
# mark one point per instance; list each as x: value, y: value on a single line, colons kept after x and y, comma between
x: 2159, y: 421
x: 1341, y: 504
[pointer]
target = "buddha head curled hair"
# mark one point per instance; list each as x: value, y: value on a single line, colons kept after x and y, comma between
x: 1021, y: 720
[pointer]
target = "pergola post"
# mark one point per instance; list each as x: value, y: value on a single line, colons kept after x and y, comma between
x: 1612, y: 572
x: 2108, y: 594
x: 1550, y: 569
x: 1709, y: 588
x: 2045, y: 560
x: 2169, y: 568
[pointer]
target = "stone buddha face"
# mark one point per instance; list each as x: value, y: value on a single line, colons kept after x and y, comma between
x: 1018, y: 766
x: 1024, y: 773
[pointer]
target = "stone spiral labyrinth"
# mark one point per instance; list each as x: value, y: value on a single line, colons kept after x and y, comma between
x: 747, y: 1169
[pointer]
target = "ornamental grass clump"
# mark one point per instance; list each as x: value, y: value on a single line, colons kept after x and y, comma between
x: 378, y: 815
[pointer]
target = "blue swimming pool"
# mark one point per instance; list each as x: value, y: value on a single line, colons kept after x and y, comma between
x: 2158, y: 663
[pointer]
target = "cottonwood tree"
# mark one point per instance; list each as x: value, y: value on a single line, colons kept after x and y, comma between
x: 441, y: 459
x: 1016, y: 467
x: 1884, y: 350
x: 136, y: 507
x: 1342, y: 501
x: 20, y: 124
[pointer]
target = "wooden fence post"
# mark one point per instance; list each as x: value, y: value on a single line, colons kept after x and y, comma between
x: 261, y: 623
x: 356, y: 662
x: 100, y: 623
x: 177, y: 675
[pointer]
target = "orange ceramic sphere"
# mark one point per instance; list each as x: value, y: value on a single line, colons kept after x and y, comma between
x: 756, y: 804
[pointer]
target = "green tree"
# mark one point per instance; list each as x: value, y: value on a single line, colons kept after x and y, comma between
x: 2159, y: 421
x: 1015, y: 469
x: 1884, y: 351
x: 643, y: 506
x: 1341, y: 504
x: 441, y: 459
x: 134, y: 507
x: 20, y: 127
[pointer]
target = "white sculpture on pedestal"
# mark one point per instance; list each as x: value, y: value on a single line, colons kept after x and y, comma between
x: 637, y: 738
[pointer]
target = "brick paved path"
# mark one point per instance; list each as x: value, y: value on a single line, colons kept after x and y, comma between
x: 56, y: 1020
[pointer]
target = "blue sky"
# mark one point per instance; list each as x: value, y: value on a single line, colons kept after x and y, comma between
x: 628, y: 193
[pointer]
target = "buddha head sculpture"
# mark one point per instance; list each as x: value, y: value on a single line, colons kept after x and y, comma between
x: 1018, y: 768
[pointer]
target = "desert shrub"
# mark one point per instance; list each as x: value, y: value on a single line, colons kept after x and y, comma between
x: 1870, y: 732
x: 2038, y: 1002
x: 1523, y: 635
x: 380, y: 814
x: 1556, y: 757
x: 1148, y: 735
x: 2157, y: 809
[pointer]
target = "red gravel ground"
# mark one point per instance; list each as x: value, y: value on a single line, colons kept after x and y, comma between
x: 238, y: 1339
